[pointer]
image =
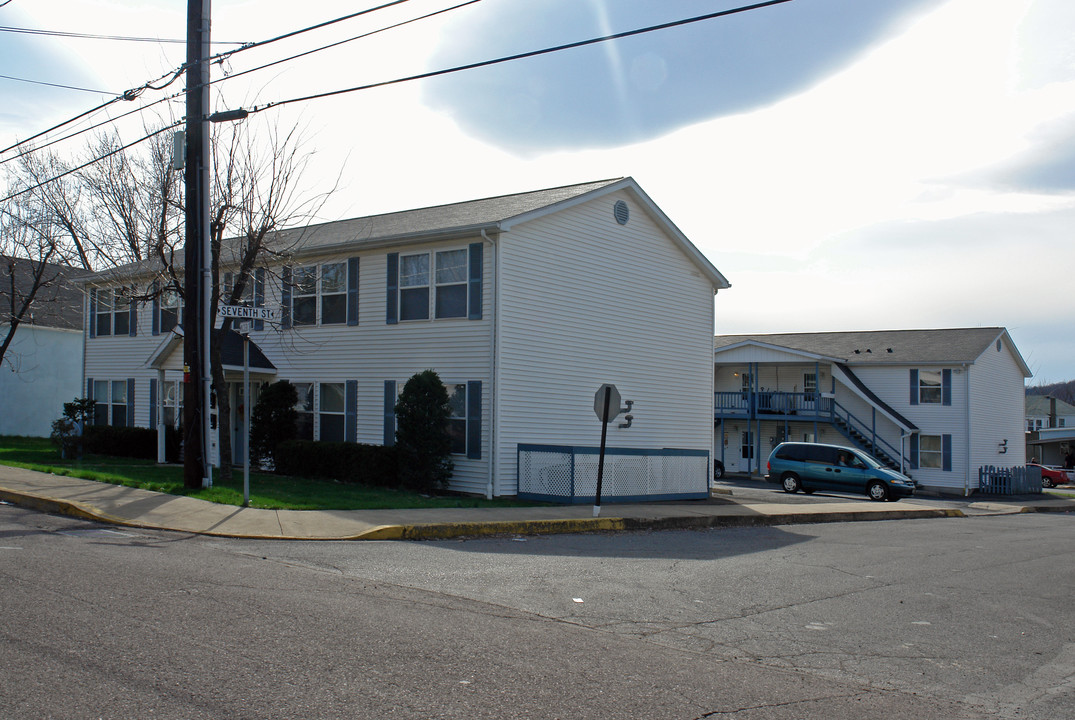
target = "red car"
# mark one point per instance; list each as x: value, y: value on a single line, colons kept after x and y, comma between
x: 1049, y: 477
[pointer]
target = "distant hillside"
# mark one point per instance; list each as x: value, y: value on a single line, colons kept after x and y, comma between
x: 1061, y: 391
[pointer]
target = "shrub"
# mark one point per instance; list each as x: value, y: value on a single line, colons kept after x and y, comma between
x: 273, y: 420
x: 346, y: 462
x: 423, y: 445
x: 67, y: 430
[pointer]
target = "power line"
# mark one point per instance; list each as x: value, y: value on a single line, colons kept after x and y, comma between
x: 93, y: 36
x: 344, y: 42
x: 521, y: 56
x: 86, y: 164
x: 56, y: 85
x: 131, y: 94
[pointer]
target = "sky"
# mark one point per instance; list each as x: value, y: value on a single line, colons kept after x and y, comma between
x: 847, y: 165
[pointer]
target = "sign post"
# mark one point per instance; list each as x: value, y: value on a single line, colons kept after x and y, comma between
x: 247, y: 406
x: 606, y: 404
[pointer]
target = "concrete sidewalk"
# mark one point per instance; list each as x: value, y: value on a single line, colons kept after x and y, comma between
x: 144, y: 509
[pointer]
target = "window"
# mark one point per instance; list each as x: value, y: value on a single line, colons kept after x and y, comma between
x: 318, y: 294
x: 930, y: 451
x: 304, y: 408
x: 304, y: 295
x: 246, y: 299
x: 334, y: 293
x: 331, y: 412
x: 451, y: 300
x: 171, y: 310
x: 172, y: 403
x: 112, y: 311
x: 746, y: 382
x: 929, y: 387
x: 111, y: 407
x: 457, y: 423
x: 810, y: 383
x: 414, y: 287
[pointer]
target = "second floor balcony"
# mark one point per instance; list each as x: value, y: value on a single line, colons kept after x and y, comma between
x: 745, y: 404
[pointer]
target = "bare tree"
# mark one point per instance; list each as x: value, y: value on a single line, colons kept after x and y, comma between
x: 256, y: 192
x: 33, y: 276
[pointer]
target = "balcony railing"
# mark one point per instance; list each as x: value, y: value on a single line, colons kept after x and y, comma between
x: 770, y: 403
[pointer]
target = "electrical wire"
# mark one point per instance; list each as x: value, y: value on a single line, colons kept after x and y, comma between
x: 56, y: 85
x: 130, y: 94
x: 86, y: 164
x: 92, y: 36
x: 343, y: 42
x: 521, y: 56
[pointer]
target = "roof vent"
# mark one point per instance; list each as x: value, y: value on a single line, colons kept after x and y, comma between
x: 621, y: 212
x: 858, y: 352
x: 869, y: 351
x: 888, y: 350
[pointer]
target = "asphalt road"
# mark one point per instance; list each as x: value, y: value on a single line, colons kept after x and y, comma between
x: 950, y: 618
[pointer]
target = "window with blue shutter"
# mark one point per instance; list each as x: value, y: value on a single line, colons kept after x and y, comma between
x: 914, y: 452
x: 475, y: 282
x: 946, y: 453
x: 352, y: 291
x: 389, y: 413
x: 134, y: 317
x: 474, y: 419
x: 914, y: 387
x: 946, y: 387
x: 392, y: 290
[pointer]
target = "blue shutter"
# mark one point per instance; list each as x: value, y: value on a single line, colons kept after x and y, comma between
x: 392, y: 290
x: 474, y: 419
x: 350, y: 422
x: 914, y: 451
x: 93, y: 313
x: 475, y: 294
x: 130, y: 402
x: 155, y: 321
x: 946, y: 453
x: 914, y: 387
x: 285, y: 298
x: 389, y: 413
x: 134, y: 318
x: 259, y: 295
x: 946, y: 387
x: 89, y: 388
x: 352, y: 291
x: 153, y: 403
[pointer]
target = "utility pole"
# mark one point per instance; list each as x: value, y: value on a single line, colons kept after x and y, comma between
x: 196, y: 376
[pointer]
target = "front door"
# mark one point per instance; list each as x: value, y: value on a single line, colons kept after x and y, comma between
x: 746, y: 451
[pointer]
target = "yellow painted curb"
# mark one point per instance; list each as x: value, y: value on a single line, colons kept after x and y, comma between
x: 440, y: 531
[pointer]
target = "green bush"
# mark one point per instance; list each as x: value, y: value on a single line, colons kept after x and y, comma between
x: 347, y: 462
x: 134, y: 442
x: 273, y: 421
x: 423, y: 444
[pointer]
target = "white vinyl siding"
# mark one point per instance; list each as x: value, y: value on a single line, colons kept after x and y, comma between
x: 611, y: 303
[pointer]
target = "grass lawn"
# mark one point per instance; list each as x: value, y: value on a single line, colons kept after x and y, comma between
x: 276, y: 492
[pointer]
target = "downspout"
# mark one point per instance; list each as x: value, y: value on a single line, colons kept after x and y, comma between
x: 494, y: 305
x: 903, y: 459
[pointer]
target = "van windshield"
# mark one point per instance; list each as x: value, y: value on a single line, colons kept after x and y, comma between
x: 870, y: 462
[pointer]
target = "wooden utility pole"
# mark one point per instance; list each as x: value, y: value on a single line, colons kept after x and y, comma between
x: 196, y: 469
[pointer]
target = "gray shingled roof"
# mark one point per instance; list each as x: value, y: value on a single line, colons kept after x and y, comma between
x: 949, y: 346
x: 1039, y: 405
x: 59, y: 305
x: 455, y: 219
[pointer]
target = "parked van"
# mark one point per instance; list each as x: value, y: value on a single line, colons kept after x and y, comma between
x: 813, y: 466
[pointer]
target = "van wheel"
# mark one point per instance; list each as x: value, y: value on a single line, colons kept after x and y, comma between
x: 877, y: 491
x: 718, y: 470
x: 791, y: 483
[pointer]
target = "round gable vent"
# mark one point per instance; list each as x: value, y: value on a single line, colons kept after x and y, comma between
x: 621, y: 212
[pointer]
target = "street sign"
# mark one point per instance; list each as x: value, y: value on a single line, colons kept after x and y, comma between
x: 242, y: 312
x: 613, y: 403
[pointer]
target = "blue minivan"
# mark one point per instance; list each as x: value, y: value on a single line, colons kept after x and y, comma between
x: 813, y: 466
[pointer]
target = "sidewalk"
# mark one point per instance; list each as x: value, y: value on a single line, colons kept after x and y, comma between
x: 144, y: 509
